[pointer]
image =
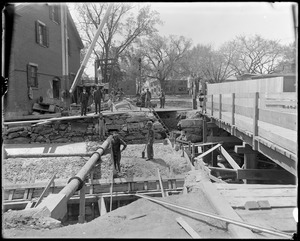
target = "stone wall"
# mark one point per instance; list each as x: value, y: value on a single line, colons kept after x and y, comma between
x: 131, y: 126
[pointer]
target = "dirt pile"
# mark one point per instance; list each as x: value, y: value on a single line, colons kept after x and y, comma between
x: 140, y: 219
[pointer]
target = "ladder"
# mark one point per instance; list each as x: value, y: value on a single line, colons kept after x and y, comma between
x: 160, y: 120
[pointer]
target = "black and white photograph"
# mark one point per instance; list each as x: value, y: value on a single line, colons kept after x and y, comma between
x: 149, y: 120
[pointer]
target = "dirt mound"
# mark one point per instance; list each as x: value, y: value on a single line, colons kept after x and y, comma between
x: 141, y: 219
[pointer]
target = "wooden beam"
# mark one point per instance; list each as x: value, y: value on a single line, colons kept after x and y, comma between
x: 255, y: 120
x: 160, y: 183
x: 230, y: 160
x: 81, y: 217
x: 45, y: 190
x: 187, y: 228
x: 224, y: 139
x: 101, y: 205
x: 208, y: 151
x: 244, y: 149
x: 264, y: 174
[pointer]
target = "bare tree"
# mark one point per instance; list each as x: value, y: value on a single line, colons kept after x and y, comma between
x: 161, y: 56
x: 253, y: 55
x: 207, y: 64
x: 125, y: 24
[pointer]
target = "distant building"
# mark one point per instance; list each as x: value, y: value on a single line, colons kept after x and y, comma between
x: 45, y: 57
x: 176, y: 87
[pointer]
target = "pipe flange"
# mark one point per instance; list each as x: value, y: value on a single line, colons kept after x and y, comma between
x: 81, y: 183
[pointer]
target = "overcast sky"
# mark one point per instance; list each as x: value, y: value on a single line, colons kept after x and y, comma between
x: 217, y: 22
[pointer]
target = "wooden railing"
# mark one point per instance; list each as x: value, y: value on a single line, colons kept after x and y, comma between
x: 271, y: 116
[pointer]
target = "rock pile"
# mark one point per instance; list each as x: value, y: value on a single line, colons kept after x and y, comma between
x: 131, y: 126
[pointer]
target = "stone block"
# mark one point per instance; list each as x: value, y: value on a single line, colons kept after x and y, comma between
x: 264, y: 204
x: 251, y: 205
x: 14, y: 129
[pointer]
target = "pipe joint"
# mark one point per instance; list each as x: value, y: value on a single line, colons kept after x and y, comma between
x: 81, y: 182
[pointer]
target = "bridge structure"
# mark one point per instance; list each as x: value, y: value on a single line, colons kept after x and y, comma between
x: 260, y: 112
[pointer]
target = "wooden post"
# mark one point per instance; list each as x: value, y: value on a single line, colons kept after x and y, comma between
x: 101, y: 206
x: 255, y: 121
x: 81, y: 217
x: 212, y: 105
x: 220, y: 107
x: 91, y: 182
x: 161, y: 184
x: 232, y: 113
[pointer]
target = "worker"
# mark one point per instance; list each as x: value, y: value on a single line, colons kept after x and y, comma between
x: 150, y: 141
x: 162, y: 98
x: 148, y: 99
x: 115, y: 144
x: 84, y: 98
x: 98, y: 95
x: 143, y: 98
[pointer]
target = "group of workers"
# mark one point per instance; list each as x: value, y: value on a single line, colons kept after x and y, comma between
x: 146, y: 98
x: 116, y: 142
x: 96, y: 94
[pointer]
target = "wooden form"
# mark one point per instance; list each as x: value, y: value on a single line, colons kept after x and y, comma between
x: 16, y: 192
x: 45, y: 190
x: 252, y: 114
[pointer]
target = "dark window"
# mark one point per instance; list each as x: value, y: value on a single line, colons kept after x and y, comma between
x: 54, y: 13
x: 56, y: 87
x: 42, y: 35
x: 32, y: 78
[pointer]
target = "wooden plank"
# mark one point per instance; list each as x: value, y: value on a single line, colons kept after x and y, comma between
x: 264, y: 174
x: 11, y: 194
x: 81, y: 217
x: 101, y: 205
x: 208, y: 151
x: 160, y: 183
x: 230, y: 160
x: 224, y: 139
x: 218, y: 180
x: 255, y: 120
x: 280, y: 202
x: 188, y: 228
x: 234, y: 186
x: 45, y: 190
x: 279, y: 118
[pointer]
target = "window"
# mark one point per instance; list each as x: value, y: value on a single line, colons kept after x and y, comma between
x: 32, y: 78
x: 54, y: 13
x: 42, y: 35
x: 56, y: 87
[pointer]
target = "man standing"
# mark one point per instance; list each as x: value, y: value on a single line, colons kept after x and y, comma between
x: 116, y: 143
x: 150, y: 141
x: 98, y: 95
x: 84, y: 98
x: 162, y: 99
x: 148, y: 99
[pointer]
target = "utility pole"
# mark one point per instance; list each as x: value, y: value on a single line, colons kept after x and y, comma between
x: 140, y: 73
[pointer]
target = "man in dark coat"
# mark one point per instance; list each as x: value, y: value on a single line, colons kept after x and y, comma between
x: 162, y: 99
x: 115, y: 144
x: 84, y: 98
x: 98, y: 95
x: 150, y: 141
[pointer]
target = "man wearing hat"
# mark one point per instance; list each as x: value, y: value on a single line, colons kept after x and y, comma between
x: 98, y: 95
x: 115, y: 144
x: 84, y: 98
x: 148, y: 99
x: 150, y: 141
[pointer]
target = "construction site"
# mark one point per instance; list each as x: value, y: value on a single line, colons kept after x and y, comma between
x: 223, y: 168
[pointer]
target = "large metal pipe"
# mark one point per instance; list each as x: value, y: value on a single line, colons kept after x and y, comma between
x: 245, y: 225
x: 73, y: 185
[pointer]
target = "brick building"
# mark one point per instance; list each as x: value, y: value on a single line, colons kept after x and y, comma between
x: 45, y: 57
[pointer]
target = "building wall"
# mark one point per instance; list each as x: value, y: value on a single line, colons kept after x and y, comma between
x: 26, y: 50
x: 176, y: 87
